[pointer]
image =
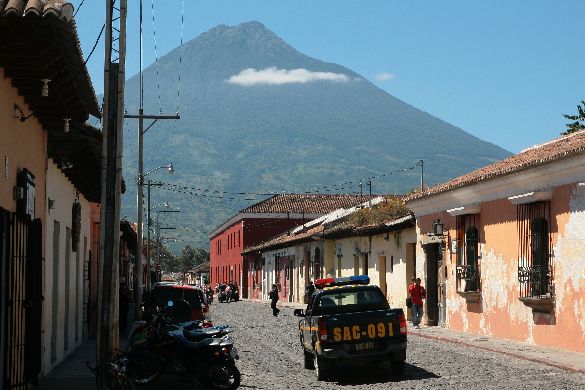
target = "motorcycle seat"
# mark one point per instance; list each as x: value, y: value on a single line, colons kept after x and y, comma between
x: 200, y: 334
x: 181, y: 339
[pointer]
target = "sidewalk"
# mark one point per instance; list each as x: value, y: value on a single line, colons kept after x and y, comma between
x: 72, y: 373
x: 565, y: 360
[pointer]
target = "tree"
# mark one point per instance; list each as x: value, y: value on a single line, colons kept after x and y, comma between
x: 169, y: 263
x: 191, y: 257
x: 578, y: 120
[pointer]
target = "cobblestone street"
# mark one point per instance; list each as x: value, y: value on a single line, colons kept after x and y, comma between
x: 271, y: 358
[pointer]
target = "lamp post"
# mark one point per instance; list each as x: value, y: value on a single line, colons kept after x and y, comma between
x: 138, y: 274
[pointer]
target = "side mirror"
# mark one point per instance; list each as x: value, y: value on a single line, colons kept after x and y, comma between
x: 299, y: 313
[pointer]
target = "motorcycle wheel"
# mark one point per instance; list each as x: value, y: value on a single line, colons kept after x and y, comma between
x: 223, y: 376
x: 145, y: 367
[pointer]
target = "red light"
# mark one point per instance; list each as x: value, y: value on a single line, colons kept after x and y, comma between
x: 322, y: 331
x: 320, y: 283
x: 403, y: 328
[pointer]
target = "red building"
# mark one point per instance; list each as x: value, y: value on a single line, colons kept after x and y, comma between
x: 259, y: 223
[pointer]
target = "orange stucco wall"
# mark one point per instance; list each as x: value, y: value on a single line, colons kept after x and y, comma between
x: 499, y: 312
x: 22, y: 145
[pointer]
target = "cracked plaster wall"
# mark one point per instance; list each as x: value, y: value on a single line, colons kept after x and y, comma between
x: 499, y: 312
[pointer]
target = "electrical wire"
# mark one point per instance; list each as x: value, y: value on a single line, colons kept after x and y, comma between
x: 78, y: 8
x: 156, y: 57
x: 181, y: 55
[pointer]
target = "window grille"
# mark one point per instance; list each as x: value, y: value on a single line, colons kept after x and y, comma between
x: 535, y: 249
x: 467, y: 235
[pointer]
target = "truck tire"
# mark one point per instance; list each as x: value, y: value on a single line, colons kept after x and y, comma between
x: 397, y: 367
x: 321, y: 373
x: 308, y: 360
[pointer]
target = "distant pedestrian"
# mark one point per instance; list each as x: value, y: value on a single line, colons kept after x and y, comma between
x: 417, y: 293
x: 273, y: 295
x: 310, y: 289
x: 228, y: 293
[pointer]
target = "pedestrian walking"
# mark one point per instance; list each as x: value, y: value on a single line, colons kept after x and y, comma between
x: 417, y: 293
x: 273, y: 295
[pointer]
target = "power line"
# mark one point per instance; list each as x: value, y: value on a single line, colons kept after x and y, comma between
x: 78, y: 8
x: 156, y: 57
x: 181, y: 55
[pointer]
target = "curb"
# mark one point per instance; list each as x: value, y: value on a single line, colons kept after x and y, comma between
x: 501, y: 351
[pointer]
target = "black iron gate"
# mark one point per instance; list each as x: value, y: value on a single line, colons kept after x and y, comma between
x: 24, y: 304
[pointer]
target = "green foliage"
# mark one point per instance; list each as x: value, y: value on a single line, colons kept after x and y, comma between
x: 168, y: 261
x: 392, y: 208
x: 578, y: 120
x: 191, y: 257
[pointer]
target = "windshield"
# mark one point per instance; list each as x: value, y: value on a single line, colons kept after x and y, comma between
x: 336, y: 301
x: 166, y: 293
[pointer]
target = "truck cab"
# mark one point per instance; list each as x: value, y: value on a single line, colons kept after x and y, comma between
x: 349, y: 322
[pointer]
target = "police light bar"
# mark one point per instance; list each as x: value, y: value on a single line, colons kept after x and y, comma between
x: 347, y: 280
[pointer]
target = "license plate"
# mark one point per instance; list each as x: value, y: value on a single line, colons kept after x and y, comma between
x: 364, y: 346
x: 363, y: 333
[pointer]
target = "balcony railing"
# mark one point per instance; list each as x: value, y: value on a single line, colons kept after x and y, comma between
x: 535, y: 281
x: 468, y: 278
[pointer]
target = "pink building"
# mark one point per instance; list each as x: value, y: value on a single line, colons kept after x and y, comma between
x: 509, y: 263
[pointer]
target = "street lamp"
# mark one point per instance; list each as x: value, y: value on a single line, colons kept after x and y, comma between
x: 438, y: 227
x: 139, y: 204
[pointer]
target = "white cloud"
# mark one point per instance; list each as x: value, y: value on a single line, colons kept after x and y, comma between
x: 385, y: 76
x: 273, y: 76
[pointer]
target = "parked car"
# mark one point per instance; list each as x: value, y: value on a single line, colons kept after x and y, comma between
x: 349, y: 322
x: 161, y: 294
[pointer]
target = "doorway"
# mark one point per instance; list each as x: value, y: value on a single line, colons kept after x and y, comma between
x: 365, y: 264
x: 410, y: 270
x: 291, y: 267
x: 433, y: 257
x: 382, y: 274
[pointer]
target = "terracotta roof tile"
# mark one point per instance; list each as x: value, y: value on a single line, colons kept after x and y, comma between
x: 284, y: 240
x: 58, y: 8
x: 306, y: 203
x: 557, y: 149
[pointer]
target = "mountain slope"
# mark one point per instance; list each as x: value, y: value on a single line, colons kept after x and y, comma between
x: 285, y: 137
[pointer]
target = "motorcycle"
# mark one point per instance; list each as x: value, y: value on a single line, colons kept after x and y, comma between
x: 208, y: 354
x: 137, y: 335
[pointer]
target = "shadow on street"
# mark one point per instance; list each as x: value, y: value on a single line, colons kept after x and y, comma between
x: 379, y: 374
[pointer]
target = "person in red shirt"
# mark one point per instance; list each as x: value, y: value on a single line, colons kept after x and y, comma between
x: 417, y: 293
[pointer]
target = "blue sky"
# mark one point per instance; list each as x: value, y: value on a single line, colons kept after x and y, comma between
x: 502, y: 70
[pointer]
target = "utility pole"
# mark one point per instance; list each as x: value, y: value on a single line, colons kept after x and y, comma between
x: 148, y: 225
x: 138, y: 276
x: 370, y: 198
x: 108, y: 289
x: 422, y: 172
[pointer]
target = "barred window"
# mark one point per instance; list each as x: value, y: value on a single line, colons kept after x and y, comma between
x: 468, y: 276
x: 534, y: 252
